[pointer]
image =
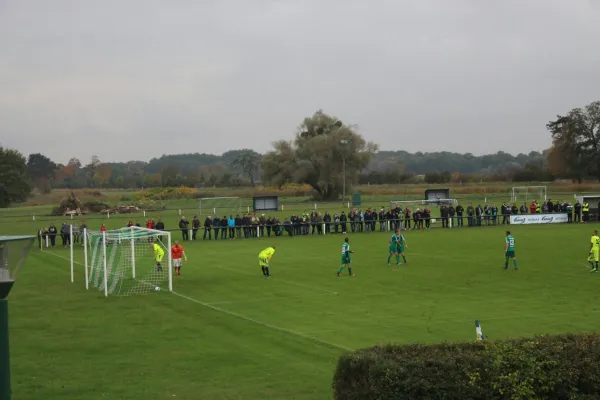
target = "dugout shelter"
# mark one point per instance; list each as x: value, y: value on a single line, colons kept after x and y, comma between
x: 437, y: 194
x: 594, y: 201
x: 265, y: 203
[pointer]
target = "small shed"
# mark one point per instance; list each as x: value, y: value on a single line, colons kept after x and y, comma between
x: 265, y: 203
x: 437, y: 194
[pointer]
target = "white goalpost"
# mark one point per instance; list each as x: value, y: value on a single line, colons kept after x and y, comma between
x: 219, y: 205
x: 122, y: 262
x: 526, y: 193
x: 423, y: 203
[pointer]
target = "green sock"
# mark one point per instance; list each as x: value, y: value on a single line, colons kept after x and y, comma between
x: 404, y: 258
x: 341, y: 269
x: 515, y: 263
x: 397, y: 260
x: 389, y: 258
x: 349, y: 270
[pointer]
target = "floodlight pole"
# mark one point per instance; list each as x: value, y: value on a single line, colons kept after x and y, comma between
x: 344, y: 142
x: 4, y: 353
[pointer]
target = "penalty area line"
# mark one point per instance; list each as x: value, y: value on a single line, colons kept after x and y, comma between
x: 266, y: 325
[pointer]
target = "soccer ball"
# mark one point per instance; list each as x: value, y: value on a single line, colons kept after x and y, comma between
x: 157, y: 289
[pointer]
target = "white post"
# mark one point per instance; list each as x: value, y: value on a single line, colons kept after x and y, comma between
x: 85, y: 255
x: 214, y: 210
x: 282, y: 207
x: 71, y: 216
x: 104, y: 262
x: 170, y: 261
x: 144, y: 213
x: 180, y: 212
x: 47, y: 241
x: 248, y: 209
x: 324, y: 224
x: 132, y: 253
x: 108, y: 214
x: 315, y: 206
x: 33, y: 216
x: 348, y: 205
x: 71, y: 251
x: 258, y: 231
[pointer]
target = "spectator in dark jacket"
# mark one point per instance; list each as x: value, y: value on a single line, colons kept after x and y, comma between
x: 52, y: 232
x: 184, y: 226
x: 216, y: 226
x: 195, y: 227
x: 207, y: 228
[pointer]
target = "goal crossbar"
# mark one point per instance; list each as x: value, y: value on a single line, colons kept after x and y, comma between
x: 122, y: 261
x: 424, y: 202
x: 210, y: 205
x: 528, y: 192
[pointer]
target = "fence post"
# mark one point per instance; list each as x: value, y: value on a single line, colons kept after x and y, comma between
x: 144, y: 213
x: 108, y: 214
x: 315, y: 206
x: 248, y: 209
x: 324, y: 224
x: 214, y: 210
x: 180, y: 212
x: 33, y: 216
x: 348, y: 205
x: 282, y: 207
x: 258, y: 231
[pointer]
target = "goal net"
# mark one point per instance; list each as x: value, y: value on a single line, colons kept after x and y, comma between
x: 423, y: 203
x: 122, y: 262
x: 219, y: 205
x: 528, y: 193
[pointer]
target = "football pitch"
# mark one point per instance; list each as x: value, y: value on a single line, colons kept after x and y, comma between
x: 229, y: 333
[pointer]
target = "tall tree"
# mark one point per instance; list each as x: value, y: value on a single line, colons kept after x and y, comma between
x: 248, y: 163
x: 41, y: 169
x: 575, y: 151
x: 14, y: 184
x: 325, y: 154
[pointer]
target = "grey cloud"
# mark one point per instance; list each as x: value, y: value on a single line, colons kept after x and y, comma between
x: 136, y: 79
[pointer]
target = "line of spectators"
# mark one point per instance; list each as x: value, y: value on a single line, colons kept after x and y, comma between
x: 316, y: 223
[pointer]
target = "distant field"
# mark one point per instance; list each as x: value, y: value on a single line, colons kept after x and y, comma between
x: 231, y: 334
x: 21, y: 217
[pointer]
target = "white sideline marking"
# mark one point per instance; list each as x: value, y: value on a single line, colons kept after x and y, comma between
x: 303, y: 296
x: 274, y: 327
x: 311, y: 288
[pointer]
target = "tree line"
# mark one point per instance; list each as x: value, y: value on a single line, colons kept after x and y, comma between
x: 324, y: 153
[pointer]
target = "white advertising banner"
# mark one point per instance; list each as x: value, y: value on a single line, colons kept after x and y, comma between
x: 538, y: 219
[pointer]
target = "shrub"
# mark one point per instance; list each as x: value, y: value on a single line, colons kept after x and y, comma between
x: 547, y: 367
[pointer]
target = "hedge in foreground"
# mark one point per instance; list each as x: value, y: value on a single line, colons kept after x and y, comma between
x: 546, y: 367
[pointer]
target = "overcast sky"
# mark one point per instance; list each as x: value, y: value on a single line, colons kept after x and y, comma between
x: 135, y: 79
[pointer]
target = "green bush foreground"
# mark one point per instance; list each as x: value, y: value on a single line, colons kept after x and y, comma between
x: 545, y: 367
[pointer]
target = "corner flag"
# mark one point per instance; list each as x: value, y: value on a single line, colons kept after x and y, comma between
x: 478, y: 331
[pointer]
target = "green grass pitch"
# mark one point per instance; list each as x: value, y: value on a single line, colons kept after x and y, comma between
x: 228, y: 333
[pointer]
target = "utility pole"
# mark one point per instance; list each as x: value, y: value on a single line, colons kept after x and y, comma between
x: 344, y: 142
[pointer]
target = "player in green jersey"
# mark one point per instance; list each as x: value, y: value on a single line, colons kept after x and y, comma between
x: 397, y: 245
x: 346, y: 258
x: 509, y: 251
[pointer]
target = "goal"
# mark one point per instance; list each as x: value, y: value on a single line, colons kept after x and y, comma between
x: 423, y: 203
x: 526, y: 193
x: 219, y: 205
x: 121, y: 262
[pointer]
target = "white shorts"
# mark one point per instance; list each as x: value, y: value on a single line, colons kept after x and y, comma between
x: 177, y: 262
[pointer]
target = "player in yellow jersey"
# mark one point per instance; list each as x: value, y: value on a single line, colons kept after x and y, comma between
x: 159, y: 253
x: 264, y: 257
x: 594, y: 256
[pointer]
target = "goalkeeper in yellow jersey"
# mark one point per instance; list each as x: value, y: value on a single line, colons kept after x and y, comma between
x: 159, y: 253
x: 264, y: 257
x: 594, y: 256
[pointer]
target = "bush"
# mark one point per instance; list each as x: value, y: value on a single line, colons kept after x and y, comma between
x: 547, y: 367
